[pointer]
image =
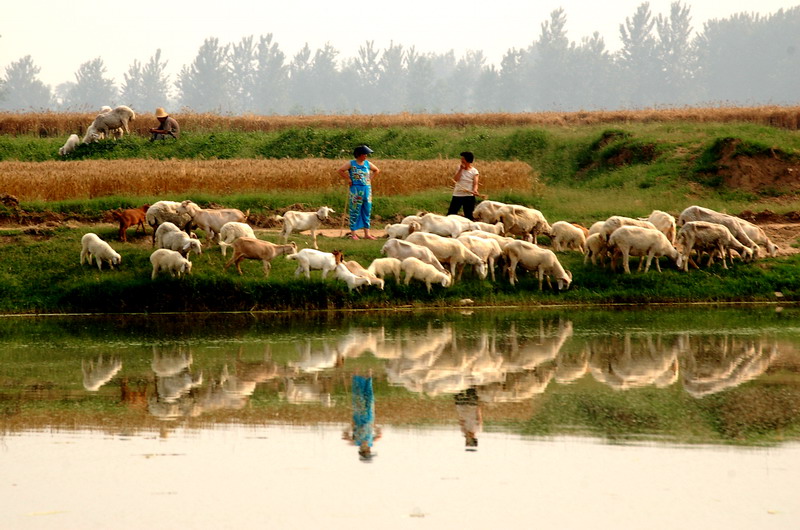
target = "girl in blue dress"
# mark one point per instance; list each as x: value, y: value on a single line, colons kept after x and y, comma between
x: 360, y: 172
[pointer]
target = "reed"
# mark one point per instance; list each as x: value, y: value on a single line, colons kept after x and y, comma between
x: 87, y: 179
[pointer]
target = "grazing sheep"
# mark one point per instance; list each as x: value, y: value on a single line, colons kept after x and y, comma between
x: 734, y: 224
x: 496, y: 228
x: 487, y: 249
x: 488, y: 211
x: 541, y: 260
x: 616, y: 221
x: 414, y: 268
x: 399, y: 249
x: 252, y: 248
x: 301, y: 221
x: 596, y: 249
x: 72, y: 142
x: 595, y: 228
x: 501, y: 240
x: 412, y: 218
x: 166, y: 211
x: 169, y: 260
x: 759, y: 237
x: 522, y: 221
x: 231, y: 231
x: 448, y: 250
x: 713, y: 238
x: 93, y: 246
x: 353, y: 281
x: 309, y: 259
x: 211, y: 221
x: 639, y: 241
x: 441, y: 225
x: 664, y: 222
x: 567, y: 236
x: 130, y: 217
x: 359, y: 270
x: 171, y: 237
x: 400, y: 230
x: 105, y: 122
x: 381, y: 267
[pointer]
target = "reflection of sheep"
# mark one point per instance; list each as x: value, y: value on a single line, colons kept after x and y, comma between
x: 94, y: 247
x: 165, y: 364
x: 70, y: 145
x: 96, y: 374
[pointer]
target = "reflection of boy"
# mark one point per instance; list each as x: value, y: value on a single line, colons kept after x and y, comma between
x: 364, y: 433
x: 470, y: 418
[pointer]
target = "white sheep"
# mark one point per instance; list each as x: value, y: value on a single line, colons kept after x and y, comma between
x: 567, y: 236
x: 353, y: 281
x: 231, y: 231
x: 301, y: 221
x: 414, y: 268
x: 664, y: 222
x: 759, y: 237
x: 72, y: 142
x: 171, y: 237
x: 541, y: 260
x: 105, y: 122
x: 359, y: 270
x: 487, y: 249
x: 93, y: 246
x: 595, y: 228
x: 496, y: 228
x: 171, y: 261
x: 713, y: 238
x: 501, y: 240
x: 252, y: 248
x: 211, y: 220
x: 616, y: 221
x: 166, y: 211
x: 309, y: 259
x: 488, y: 211
x: 448, y: 250
x: 596, y: 249
x: 698, y: 213
x: 400, y: 230
x: 639, y: 241
x: 400, y: 249
x: 381, y: 267
x: 412, y: 218
x: 523, y: 221
x: 446, y: 226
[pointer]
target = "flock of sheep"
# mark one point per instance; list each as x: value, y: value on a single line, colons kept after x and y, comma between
x: 111, y: 123
x: 435, y: 249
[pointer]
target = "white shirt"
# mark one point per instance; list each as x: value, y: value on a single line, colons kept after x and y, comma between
x: 466, y: 180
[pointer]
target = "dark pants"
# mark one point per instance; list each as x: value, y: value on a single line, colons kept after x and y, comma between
x: 468, y: 203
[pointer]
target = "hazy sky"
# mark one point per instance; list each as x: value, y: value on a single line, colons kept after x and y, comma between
x: 61, y: 35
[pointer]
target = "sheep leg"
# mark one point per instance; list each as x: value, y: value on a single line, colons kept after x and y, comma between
x: 512, y: 270
x: 267, y: 267
x: 314, y: 237
x: 540, y: 274
x: 625, y: 261
x: 155, y: 272
x: 428, y: 285
x: 649, y: 261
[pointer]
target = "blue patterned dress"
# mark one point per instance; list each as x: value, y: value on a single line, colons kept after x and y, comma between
x: 360, y: 202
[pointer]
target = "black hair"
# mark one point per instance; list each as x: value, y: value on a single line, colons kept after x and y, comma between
x: 468, y: 156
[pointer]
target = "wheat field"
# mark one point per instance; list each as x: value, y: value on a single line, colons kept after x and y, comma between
x: 86, y: 179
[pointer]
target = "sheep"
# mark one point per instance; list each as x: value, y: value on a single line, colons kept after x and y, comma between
x: 616, y: 221
x: 72, y: 142
x: 211, y: 221
x: 664, y: 222
x: 441, y: 225
x: 496, y: 228
x: 709, y: 237
x: 450, y: 251
x: 595, y: 228
x: 231, y: 231
x: 487, y: 249
x: 759, y: 237
x: 381, y: 267
x: 170, y: 236
x: 414, y: 268
x: 523, y: 221
x: 501, y: 240
x: 130, y: 217
x: 400, y: 249
x: 698, y: 213
x: 353, y: 281
x: 541, y: 260
x: 488, y: 211
x: 566, y: 236
x: 596, y: 249
x: 252, y: 248
x: 408, y: 219
x: 639, y: 241
x: 359, y: 270
x: 93, y: 246
x: 106, y: 122
x: 166, y: 211
x: 301, y: 221
x: 400, y: 230
x: 309, y: 258
x: 164, y: 259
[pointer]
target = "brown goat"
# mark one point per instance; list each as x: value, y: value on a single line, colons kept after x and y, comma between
x: 252, y: 248
x: 128, y: 218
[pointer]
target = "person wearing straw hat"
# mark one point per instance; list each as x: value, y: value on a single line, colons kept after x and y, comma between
x: 167, y: 126
x: 359, y: 203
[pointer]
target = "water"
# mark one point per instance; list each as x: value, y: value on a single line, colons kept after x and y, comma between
x: 625, y: 419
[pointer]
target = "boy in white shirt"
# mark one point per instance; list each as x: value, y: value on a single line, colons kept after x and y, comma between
x: 465, y: 187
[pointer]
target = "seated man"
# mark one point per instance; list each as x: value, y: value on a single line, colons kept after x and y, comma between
x: 167, y: 126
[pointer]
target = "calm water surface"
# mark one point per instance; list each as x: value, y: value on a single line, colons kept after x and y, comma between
x: 643, y: 418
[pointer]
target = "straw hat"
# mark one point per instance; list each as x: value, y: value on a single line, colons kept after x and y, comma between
x: 161, y: 113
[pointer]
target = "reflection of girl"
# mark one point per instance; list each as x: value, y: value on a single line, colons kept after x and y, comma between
x: 470, y: 418
x: 363, y: 432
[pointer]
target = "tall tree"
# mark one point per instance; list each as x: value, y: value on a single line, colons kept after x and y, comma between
x: 205, y: 84
x: 92, y: 89
x: 300, y: 81
x: 637, y: 57
x: 269, y: 92
x: 420, y: 82
x: 21, y: 88
x: 675, y: 55
x: 361, y: 79
x: 391, y: 85
x: 242, y: 63
x: 549, y: 74
x: 146, y: 87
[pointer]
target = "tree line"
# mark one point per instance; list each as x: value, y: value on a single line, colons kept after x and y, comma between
x: 746, y: 59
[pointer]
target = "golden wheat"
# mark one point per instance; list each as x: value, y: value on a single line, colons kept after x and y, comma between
x: 54, y: 124
x: 56, y: 180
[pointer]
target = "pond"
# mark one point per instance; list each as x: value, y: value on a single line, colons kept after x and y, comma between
x: 630, y: 418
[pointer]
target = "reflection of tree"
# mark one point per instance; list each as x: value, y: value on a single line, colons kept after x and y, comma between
x: 633, y: 361
x: 712, y: 364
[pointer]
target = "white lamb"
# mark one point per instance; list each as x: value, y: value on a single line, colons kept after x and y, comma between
x: 72, y: 142
x: 173, y: 238
x: 414, y: 268
x: 341, y: 272
x: 231, y: 231
x: 211, y: 220
x: 487, y: 249
x: 523, y: 221
x: 309, y: 259
x: 448, y: 250
x: 359, y: 270
x: 713, y: 238
x: 541, y: 260
x: 638, y: 241
x: 400, y: 249
x: 567, y: 236
x: 94, y: 247
x: 698, y: 213
x: 381, y: 267
x: 400, y: 230
x: 166, y: 211
x: 171, y: 261
x: 596, y: 249
x: 301, y: 221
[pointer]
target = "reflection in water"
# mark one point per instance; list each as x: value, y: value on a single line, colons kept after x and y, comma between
x: 363, y: 433
x: 470, y: 417
x: 634, y: 361
x: 97, y: 373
